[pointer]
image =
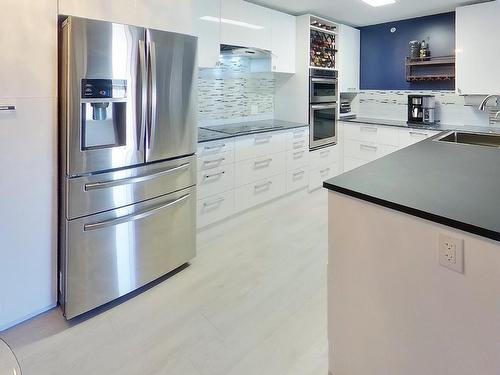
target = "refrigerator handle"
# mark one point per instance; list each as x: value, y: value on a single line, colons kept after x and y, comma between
x: 152, y: 120
x: 144, y: 92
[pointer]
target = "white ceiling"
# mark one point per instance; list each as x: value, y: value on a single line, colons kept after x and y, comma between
x: 358, y: 13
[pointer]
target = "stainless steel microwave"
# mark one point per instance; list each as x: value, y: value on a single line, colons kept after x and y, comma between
x: 323, y: 86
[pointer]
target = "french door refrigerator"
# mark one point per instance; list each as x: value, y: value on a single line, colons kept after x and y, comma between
x: 127, y: 200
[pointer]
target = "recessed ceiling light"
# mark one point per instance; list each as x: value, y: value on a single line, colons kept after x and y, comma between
x: 379, y: 3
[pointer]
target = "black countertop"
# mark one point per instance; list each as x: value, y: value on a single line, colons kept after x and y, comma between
x: 400, y: 124
x: 456, y: 185
x: 214, y: 133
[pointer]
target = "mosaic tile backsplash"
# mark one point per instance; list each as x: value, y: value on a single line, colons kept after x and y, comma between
x: 393, y: 105
x: 233, y: 92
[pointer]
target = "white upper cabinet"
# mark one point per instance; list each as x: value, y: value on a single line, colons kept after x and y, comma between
x: 28, y: 41
x: 478, y: 52
x: 167, y: 15
x: 349, y: 59
x: 245, y: 24
x: 206, y: 14
x: 283, y: 42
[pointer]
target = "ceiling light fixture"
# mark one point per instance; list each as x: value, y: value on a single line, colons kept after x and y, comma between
x: 232, y: 22
x: 379, y: 3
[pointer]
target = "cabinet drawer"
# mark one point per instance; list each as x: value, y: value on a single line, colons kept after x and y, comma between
x: 408, y: 137
x: 215, y: 147
x: 259, y: 192
x: 297, y: 159
x: 252, y: 146
x: 297, y: 179
x: 215, y: 161
x: 259, y: 168
x: 215, y: 208
x: 353, y: 163
x: 324, y: 157
x: 372, y: 133
x: 297, y: 138
x: 318, y: 175
x: 215, y: 181
x: 366, y: 150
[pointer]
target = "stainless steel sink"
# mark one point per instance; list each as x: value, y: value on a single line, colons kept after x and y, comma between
x: 478, y: 139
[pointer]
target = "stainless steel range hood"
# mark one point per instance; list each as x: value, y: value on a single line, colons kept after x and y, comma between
x: 248, y: 52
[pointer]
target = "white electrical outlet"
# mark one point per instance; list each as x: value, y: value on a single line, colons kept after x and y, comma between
x: 451, y: 253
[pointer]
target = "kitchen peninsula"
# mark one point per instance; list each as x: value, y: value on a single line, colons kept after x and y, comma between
x: 392, y: 307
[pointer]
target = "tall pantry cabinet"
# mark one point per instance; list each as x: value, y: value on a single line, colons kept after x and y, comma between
x: 28, y: 140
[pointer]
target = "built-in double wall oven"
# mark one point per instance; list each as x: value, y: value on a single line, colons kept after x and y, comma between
x: 323, y: 105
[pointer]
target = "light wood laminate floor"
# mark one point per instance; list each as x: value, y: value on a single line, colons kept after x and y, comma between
x: 253, y: 302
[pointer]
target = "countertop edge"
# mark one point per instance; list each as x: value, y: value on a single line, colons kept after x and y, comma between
x: 492, y: 235
x: 230, y: 136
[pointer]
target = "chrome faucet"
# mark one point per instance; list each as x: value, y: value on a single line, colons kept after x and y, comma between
x: 482, y: 106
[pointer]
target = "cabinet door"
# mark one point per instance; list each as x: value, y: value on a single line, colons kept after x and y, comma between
x: 28, y: 221
x: 349, y: 59
x: 283, y: 42
x: 207, y: 25
x: 477, y: 49
x: 166, y: 15
x: 245, y: 24
x: 120, y: 11
x: 28, y: 41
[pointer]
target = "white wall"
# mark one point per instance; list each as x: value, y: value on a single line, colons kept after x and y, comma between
x: 393, y: 310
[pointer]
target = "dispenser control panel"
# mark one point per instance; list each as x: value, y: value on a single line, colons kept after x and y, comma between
x: 104, y: 89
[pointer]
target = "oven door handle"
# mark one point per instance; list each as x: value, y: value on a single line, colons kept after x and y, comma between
x: 323, y: 106
x: 324, y: 80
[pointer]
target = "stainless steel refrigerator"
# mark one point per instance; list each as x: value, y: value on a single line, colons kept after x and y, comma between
x: 127, y: 168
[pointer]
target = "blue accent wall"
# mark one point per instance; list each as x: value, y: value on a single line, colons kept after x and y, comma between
x: 383, y: 53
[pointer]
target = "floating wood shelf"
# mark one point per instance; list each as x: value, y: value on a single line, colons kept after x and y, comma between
x: 431, y: 77
x: 430, y: 69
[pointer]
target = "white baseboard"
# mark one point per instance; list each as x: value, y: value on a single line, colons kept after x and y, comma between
x: 27, y: 317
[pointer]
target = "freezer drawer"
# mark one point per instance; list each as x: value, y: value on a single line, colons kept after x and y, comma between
x: 107, y: 191
x: 111, y: 254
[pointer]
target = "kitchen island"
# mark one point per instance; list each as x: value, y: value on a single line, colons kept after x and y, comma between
x: 393, y: 309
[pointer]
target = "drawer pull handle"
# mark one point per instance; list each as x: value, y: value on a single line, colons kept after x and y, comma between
x: 368, y: 148
x: 264, y: 185
x: 216, y: 147
x: 419, y: 134
x: 324, y: 154
x: 368, y: 129
x: 261, y: 140
x: 298, y: 174
x: 216, y: 175
x: 299, y: 134
x: 263, y: 163
x: 214, y: 202
x: 134, y: 180
x: 211, y: 162
x: 7, y: 107
x: 135, y: 216
x: 297, y: 145
x: 326, y: 170
x: 298, y: 154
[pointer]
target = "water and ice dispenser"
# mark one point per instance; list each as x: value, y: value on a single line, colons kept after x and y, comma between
x: 104, y: 113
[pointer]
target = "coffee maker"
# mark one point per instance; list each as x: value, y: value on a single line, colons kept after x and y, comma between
x: 421, y: 109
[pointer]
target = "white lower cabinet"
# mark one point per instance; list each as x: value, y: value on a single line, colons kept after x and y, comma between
x: 318, y: 175
x: 258, y: 192
x: 408, y: 137
x: 216, y: 180
x: 297, y: 179
x: 215, y: 208
x: 366, y: 150
x: 259, y: 168
x: 352, y: 163
x: 297, y: 159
